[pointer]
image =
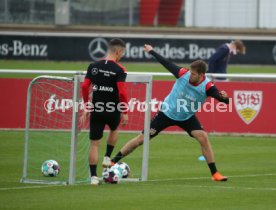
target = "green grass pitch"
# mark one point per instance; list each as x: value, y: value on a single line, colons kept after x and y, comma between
x: 177, y: 180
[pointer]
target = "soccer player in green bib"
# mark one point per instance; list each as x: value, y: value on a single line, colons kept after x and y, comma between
x: 190, y: 90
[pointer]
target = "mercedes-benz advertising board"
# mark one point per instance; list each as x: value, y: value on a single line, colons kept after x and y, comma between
x: 89, y: 48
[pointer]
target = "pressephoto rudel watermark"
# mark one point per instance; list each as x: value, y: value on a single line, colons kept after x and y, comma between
x: 135, y: 105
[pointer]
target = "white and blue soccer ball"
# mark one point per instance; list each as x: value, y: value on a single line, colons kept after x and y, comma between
x: 50, y: 168
x: 117, y: 172
x: 112, y: 175
x: 123, y: 168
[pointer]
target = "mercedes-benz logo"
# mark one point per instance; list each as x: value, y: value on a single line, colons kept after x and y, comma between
x: 97, y: 48
x: 94, y: 71
x: 274, y: 52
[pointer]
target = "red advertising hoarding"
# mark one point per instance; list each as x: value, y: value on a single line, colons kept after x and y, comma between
x: 251, y: 109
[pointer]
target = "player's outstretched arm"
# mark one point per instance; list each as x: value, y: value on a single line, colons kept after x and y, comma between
x: 219, y: 95
x: 174, y: 69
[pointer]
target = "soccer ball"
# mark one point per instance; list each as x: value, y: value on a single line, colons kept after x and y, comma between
x: 123, y: 168
x: 117, y: 172
x: 50, y: 168
x: 112, y: 175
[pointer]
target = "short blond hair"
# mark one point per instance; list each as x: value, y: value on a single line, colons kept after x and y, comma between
x: 241, y: 49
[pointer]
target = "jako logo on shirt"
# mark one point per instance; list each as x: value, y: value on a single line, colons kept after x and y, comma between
x: 104, y: 88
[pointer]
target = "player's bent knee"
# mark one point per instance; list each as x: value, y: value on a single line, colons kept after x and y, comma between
x: 95, y: 142
x: 201, y: 136
x: 204, y: 135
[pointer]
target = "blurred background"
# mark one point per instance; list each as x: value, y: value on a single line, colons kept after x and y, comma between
x: 181, y: 30
x: 253, y: 14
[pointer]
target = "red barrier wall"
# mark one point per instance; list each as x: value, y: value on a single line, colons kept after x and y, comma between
x: 232, y: 121
x: 254, y: 100
x: 13, y: 102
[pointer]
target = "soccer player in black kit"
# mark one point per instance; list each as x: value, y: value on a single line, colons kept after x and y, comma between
x: 108, y: 84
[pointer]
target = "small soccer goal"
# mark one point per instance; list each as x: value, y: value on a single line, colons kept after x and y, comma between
x: 53, y: 131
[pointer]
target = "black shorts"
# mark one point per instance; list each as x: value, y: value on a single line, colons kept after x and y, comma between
x: 99, y: 120
x: 161, y: 122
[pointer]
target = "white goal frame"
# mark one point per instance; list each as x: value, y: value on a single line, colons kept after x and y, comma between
x: 77, y: 79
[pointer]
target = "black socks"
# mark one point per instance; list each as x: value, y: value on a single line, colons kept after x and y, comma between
x: 118, y: 157
x: 212, y: 167
x: 109, y: 150
x: 93, y: 170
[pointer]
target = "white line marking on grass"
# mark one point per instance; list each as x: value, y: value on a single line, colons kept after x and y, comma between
x: 162, y: 180
x: 235, y: 188
x: 193, y: 178
x: 222, y: 187
x: 28, y: 187
x: 252, y: 175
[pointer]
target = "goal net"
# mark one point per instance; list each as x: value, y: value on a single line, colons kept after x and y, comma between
x: 53, y: 130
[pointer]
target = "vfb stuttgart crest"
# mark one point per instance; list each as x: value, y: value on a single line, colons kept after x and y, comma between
x: 248, y: 104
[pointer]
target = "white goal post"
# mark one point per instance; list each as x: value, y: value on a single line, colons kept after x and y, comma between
x: 44, y: 87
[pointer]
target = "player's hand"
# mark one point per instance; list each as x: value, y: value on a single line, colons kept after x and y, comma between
x: 148, y: 48
x: 84, y: 118
x: 124, y: 119
x: 223, y: 94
